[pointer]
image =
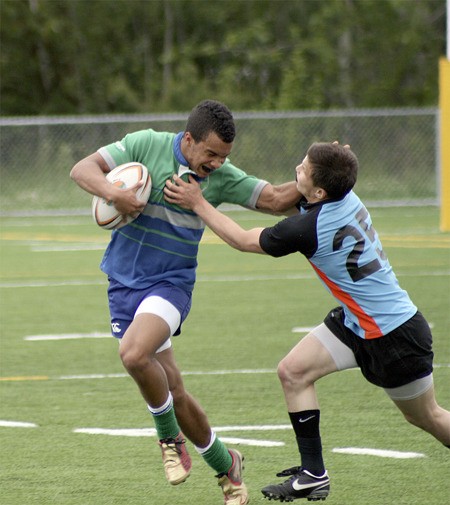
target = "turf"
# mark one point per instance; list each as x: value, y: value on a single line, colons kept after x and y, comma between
x: 244, y: 309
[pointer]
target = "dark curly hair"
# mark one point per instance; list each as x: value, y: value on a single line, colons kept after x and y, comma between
x: 211, y: 116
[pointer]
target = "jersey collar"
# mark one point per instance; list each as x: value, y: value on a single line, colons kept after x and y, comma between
x: 184, y: 165
x: 177, y: 150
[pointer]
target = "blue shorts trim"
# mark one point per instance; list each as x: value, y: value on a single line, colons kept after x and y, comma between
x: 124, y: 301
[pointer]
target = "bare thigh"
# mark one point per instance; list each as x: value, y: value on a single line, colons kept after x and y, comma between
x: 318, y: 354
x: 425, y: 413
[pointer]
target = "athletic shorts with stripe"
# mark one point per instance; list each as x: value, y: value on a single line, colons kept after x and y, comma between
x: 401, y: 361
x: 163, y: 299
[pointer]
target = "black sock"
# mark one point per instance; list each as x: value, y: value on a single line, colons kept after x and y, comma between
x: 306, y: 428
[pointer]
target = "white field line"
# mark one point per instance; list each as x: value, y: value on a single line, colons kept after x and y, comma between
x: 77, y: 336
x: 52, y: 284
x: 204, y: 278
x: 44, y: 247
x: 186, y: 373
x: 205, y: 372
x: 120, y: 432
x: 16, y: 424
x: 302, y: 329
x: 67, y: 336
x: 261, y: 427
x: 381, y: 453
x: 119, y: 375
x: 251, y: 441
x: 195, y: 372
x: 151, y: 432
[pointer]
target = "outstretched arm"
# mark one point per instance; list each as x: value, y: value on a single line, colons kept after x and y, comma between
x: 189, y: 196
x: 280, y: 199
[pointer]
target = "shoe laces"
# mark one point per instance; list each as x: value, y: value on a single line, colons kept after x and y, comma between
x: 288, y: 472
x: 174, y: 444
x: 295, y: 471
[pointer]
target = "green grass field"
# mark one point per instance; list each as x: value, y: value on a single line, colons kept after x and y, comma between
x: 245, y: 308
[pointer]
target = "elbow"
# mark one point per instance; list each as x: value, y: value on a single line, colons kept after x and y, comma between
x: 241, y: 247
x: 248, y: 247
x: 235, y: 244
x: 74, y: 173
x: 78, y: 172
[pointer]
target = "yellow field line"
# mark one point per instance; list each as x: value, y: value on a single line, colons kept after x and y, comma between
x: 423, y: 241
x: 25, y: 378
x: 48, y: 237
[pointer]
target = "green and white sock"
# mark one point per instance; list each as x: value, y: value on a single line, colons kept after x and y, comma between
x: 165, y: 420
x: 216, y: 455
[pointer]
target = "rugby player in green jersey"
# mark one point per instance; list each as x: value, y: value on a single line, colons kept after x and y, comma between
x: 151, y: 265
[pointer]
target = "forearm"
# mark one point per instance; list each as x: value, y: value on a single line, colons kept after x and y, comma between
x: 189, y: 195
x: 89, y: 174
x: 91, y: 179
x: 227, y: 229
x: 280, y: 199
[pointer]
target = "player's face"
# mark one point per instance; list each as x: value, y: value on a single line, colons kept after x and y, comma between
x: 304, y: 181
x: 207, y: 155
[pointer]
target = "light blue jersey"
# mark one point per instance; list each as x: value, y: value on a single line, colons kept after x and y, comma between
x: 342, y: 246
x: 162, y: 243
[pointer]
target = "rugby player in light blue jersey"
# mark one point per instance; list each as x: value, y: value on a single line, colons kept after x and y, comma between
x: 376, y: 326
x: 151, y: 265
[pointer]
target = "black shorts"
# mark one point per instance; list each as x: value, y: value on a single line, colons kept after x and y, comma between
x: 393, y: 360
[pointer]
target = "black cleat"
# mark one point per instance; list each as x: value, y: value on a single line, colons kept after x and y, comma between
x: 302, y: 484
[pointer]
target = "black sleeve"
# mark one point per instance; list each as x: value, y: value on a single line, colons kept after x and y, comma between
x: 293, y: 234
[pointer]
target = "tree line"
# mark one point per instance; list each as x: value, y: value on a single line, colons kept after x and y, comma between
x: 146, y: 56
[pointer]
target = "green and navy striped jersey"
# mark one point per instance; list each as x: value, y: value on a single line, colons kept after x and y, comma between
x: 162, y: 243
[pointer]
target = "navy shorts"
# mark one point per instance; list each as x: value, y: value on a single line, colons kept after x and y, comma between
x: 393, y: 360
x: 124, y: 301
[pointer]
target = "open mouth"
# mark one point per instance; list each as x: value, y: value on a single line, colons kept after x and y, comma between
x: 207, y: 170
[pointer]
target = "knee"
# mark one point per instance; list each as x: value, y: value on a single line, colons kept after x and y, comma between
x: 132, y: 358
x: 288, y: 374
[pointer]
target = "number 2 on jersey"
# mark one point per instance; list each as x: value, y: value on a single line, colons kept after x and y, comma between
x: 356, y: 271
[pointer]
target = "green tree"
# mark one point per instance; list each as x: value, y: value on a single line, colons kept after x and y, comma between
x: 113, y: 56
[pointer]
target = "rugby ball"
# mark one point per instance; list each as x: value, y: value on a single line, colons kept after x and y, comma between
x: 124, y: 176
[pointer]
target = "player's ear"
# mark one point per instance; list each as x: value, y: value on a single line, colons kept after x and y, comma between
x: 320, y: 193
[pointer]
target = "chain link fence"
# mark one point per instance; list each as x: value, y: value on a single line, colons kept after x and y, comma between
x: 397, y: 151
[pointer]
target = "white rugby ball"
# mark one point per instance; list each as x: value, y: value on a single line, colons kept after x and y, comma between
x: 124, y: 176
